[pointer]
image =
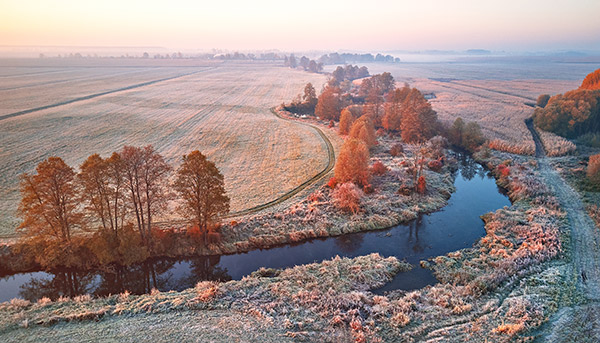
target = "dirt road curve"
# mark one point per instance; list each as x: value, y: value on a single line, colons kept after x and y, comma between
x: 580, y: 323
x: 301, y: 187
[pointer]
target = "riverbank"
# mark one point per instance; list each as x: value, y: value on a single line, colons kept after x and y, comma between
x: 316, y: 216
x: 502, y: 289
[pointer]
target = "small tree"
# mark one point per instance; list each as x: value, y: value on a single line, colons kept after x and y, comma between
x: 421, y: 185
x: 201, y: 188
x: 353, y: 162
x: 542, y: 100
x: 309, y: 98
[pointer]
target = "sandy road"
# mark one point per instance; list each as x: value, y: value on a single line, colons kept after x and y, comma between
x: 578, y: 323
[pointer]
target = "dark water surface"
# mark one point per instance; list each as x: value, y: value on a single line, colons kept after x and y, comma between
x: 454, y: 227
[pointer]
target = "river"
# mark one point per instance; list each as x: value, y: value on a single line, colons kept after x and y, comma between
x: 456, y: 226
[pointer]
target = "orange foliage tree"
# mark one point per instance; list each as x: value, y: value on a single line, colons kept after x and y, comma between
x: 49, y: 203
x: 328, y: 104
x: 49, y: 208
x: 346, y: 120
x: 103, y: 190
x: 201, y: 188
x: 352, y: 164
x: 363, y: 129
x: 591, y: 81
x: 393, y: 109
x: 419, y: 120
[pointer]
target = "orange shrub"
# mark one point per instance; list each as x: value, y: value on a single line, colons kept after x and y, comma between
x: 593, y: 169
x: 332, y: 183
x: 503, y: 170
x: 347, y: 197
x: 378, y: 168
x: 435, y: 165
x: 396, y: 150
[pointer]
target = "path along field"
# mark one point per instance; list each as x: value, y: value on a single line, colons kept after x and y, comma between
x: 221, y: 109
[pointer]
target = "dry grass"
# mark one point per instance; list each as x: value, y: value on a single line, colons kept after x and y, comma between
x: 222, y: 111
x: 555, y: 145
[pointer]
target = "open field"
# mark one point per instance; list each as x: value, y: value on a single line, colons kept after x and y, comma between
x: 220, y: 109
x: 491, y: 92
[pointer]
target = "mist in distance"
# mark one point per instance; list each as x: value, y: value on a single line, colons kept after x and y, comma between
x: 192, y: 26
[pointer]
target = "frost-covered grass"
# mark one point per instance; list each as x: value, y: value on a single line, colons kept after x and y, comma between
x: 327, y: 299
x: 556, y: 145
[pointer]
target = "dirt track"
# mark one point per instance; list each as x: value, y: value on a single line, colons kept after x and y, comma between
x: 302, y: 186
x: 580, y: 323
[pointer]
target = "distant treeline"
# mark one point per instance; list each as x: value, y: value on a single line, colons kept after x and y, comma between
x: 336, y: 58
x: 304, y: 62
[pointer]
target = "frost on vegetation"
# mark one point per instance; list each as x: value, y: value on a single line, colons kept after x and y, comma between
x: 521, y: 148
x: 316, y: 297
x: 556, y: 145
x: 325, y: 212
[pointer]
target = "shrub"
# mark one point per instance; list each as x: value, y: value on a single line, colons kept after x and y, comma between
x: 396, y: 150
x: 525, y: 148
x: 347, y: 197
x: 503, y: 170
x: 590, y: 139
x: 379, y: 168
x: 593, y: 169
x: 332, y: 183
x: 435, y: 165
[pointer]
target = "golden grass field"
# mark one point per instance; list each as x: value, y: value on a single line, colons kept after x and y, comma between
x: 222, y: 109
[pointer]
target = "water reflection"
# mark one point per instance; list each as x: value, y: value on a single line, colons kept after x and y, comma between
x: 454, y: 227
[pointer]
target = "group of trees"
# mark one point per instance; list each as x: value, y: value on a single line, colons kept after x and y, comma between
x: 304, y: 62
x: 349, y: 73
x: 465, y: 135
x: 574, y: 113
x: 403, y: 111
x: 116, y: 199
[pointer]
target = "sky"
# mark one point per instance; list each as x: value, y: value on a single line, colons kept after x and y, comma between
x: 507, y: 25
